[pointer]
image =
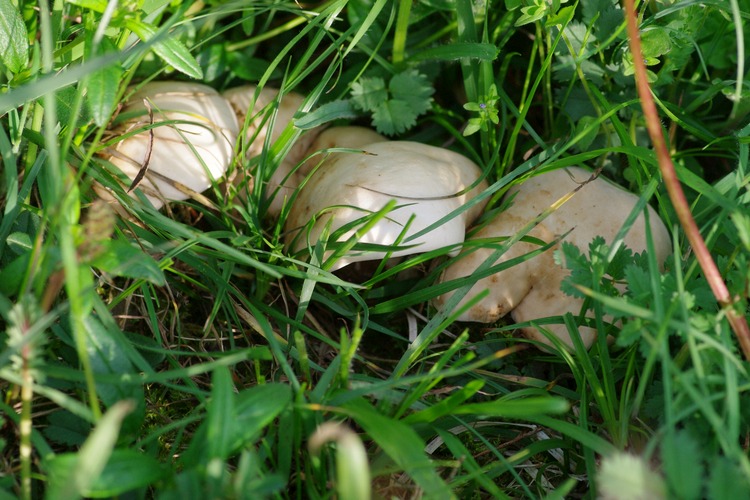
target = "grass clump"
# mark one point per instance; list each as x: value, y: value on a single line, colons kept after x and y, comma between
x: 182, y: 353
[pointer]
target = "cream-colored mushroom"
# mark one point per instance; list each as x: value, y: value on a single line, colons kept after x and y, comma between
x: 530, y: 290
x: 427, y: 183
x: 347, y: 137
x: 194, y: 131
x: 247, y: 101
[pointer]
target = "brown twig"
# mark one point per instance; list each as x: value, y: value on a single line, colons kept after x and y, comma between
x: 676, y: 195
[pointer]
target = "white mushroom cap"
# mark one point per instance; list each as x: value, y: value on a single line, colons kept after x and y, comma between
x: 531, y: 289
x: 349, y: 137
x: 427, y: 183
x: 284, y: 180
x: 195, y: 151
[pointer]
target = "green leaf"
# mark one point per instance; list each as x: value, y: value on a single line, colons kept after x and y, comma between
x: 516, y: 408
x: 96, y: 5
x: 413, y: 88
x: 681, y: 459
x: 73, y: 474
x: 14, y: 39
x: 220, y: 419
x: 393, y: 117
x: 102, y: 86
x: 402, y: 445
x: 459, y: 50
x: 727, y: 480
x: 254, y: 410
x: 171, y: 50
x: 368, y: 93
x: 326, y: 113
x: 66, y: 428
x: 109, y: 357
x: 126, y: 470
x: 655, y: 42
x: 447, y: 405
x: 122, y: 259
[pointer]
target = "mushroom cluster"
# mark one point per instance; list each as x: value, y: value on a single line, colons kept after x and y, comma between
x: 365, y: 198
x: 531, y: 289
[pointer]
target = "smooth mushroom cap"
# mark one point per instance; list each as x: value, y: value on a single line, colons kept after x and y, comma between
x: 531, y: 289
x: 284, y: 180
x: 349, y: 137
x: 194, y: 152
x: 427, y: 182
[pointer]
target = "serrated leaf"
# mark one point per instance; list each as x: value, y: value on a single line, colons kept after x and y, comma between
x: 66, y: 428
x: 655, y: 42
x: 727, y: 480
x: 413, y: 88
x: 681, y: 459
x: 368, y: 93
x: 571, y: 257
x: 393, y: 117
x: 171, y: 50
x: 14, y: 39
x: 123, y: 259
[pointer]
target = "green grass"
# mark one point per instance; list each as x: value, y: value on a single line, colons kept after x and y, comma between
x: 183, y: 353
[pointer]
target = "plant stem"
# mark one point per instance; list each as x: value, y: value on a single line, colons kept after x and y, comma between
x: 674, y: 189
x: 399, y: 35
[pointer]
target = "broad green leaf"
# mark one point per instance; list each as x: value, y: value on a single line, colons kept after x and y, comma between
x: 368, y: 93
x: 171, y: 50
x: 681, y: 458
x: 413, y: 88
x: 14, y: 39
x: 393, y: 117
x: 102, y: 87
x: 254, y: 410
x: 67, y: 428
x: 73, y: 474
x: 126, y: 470
x: 402, y: 445
x: 123, y: 259
x: 727, y: 480
x: 109, y: 357
x: 655, y: 42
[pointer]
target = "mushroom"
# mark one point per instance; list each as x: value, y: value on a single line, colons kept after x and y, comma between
x: 349, y: 137
x: 531, y: 289
x: 428, y: 183
x: 194, y: 131
x: 248, y: 103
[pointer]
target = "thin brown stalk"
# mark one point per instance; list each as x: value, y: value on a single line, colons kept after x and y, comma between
x: 737, y: 321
